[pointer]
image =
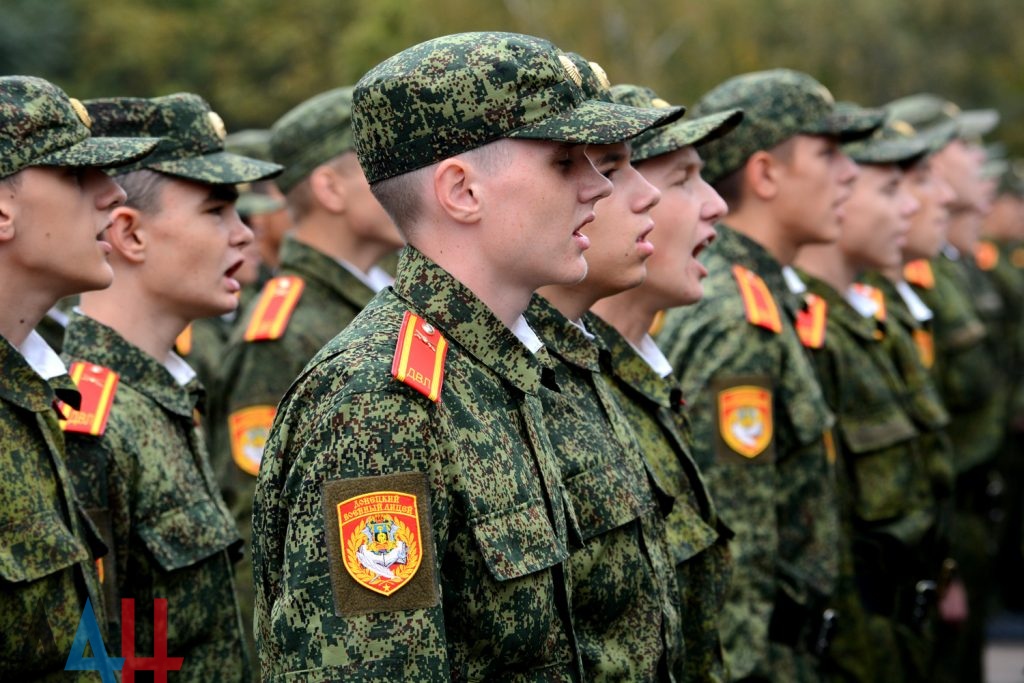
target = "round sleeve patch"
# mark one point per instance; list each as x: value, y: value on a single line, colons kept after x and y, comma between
x: 745, y: 419
x: 250, y: 428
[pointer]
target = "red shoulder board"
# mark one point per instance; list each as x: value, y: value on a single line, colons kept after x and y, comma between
x: 876, y: 295
x: 183, y: 343
x: 97, y: 385
x: 986, y: 255
x: 919, y: 273
x: 810, y: 322
x: 1017, y: 257
x: 757, y: 300
x: 419, y: 356
x: 274, y: 309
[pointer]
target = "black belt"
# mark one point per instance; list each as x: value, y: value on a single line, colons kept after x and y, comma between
x: 802, y: 627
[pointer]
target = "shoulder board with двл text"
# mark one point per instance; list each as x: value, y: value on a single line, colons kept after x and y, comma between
x: 758, y: 302
x: 919, y: 273
x: 812, y: 321
x: 274, y: 309
x: 97, y: 385
x: 419, y: 356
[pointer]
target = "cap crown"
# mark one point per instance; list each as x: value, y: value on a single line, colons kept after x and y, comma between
x: 312, y: 133
x: 36, y: 119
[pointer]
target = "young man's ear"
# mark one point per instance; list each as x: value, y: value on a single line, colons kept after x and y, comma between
x: 126, y: 234
x: 8, y: 209
x: 456, y: 190
x: 761, y: 175
x: 327, y: 187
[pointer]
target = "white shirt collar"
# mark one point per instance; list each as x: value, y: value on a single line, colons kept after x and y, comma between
x: 862, y: 303
x: 179, y: 369
x: 951, y: 252
x: 524, y: 333
x: 41, y: 357
x: 918, y: 308
x: 650, y: 352
x: 583, y: 328
x: 376, y: 279
x: 793, y: 281
x: 58, y: 316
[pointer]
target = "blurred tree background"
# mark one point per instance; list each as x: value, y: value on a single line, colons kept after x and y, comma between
x: 255, y: 59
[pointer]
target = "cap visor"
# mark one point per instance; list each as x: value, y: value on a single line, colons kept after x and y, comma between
x: 598, y: 123
x: 686, y: 132
x: 895, y: 151
x: 219, y: 168
x: 975, y: 123
x: 100, y: 152
x: 850, y: 125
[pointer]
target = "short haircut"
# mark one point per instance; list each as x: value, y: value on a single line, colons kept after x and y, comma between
x: 143, y: 188
x: 12, y: 181
x: 730, y: 188
x: 401, y: 195
x: 300, y: 198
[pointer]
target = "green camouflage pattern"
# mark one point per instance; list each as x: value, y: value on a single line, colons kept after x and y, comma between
x: 498, y: 508
x: 595, y: 83
x: 928, y: 111
x: 249, y: 142
x: 171, y: 531
x: 653, y: 405
x: 455, y: 93
x: 312, y: 133
x: 965, y: 370
x: 891, y: 502
x: 46, y: 566
x: 895, y: 142
x: 260, y: 372
x: 191, y: 138
x: 40, y: 126
x: 622, y: 570
x: 777, y: 104
x: 679, y: 134
x: 784, y: 512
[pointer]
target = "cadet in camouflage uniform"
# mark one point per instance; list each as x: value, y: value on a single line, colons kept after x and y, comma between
x: 761, y: 427
x: 54, y: 204
x: 889, y: 509
x: 625, y: 606
x: 966, y: 368
x: 414, y: 441
x: 330, y: 257
x: 176, y: 245
x: 641, y: 376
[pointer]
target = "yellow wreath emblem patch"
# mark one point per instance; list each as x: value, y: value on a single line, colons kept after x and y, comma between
x: 381, y: 542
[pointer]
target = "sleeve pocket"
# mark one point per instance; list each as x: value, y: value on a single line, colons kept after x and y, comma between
x: 38, y: 546
x: 183, y: 536
x: 518, y: 541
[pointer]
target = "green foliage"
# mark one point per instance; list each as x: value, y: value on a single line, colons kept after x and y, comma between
x: 255, y: 59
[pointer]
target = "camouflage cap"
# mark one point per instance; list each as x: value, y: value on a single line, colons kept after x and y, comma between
x: 593, y: 79
x: 456, y: 93
x: 251, y: 142
x: 191, y: 138
x: 777, y: 104
x: 311, y: 134
x: 925, y: 111
x: 41, y: 126
x: 678, y: 134
x: 896, y: 142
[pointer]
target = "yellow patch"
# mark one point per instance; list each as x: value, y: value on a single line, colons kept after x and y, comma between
x: 745, y: 419
x: 250, y: 429
x: 380, y: 539
x: 183, y: 342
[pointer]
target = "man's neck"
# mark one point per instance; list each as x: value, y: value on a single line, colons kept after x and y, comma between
x: 22, y: 308
x: 760, y: 225
x: 332, y: 236
x: 827, y: 263
x: 140, y: 321
x: 628, y: 312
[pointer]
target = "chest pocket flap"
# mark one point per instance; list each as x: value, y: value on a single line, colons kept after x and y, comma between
x: 519, y: 541
x: 183, y: 536
x: 37, y: 546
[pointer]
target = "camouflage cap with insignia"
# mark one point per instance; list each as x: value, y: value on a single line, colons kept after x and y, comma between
x: 925, y: 111
x: 777, y: 105
x: 896, y: 142
x: 191, y: 138
x: 678, y: 134
x: 311, y: 134
x: 41, y: 126
x: 455, y: 93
